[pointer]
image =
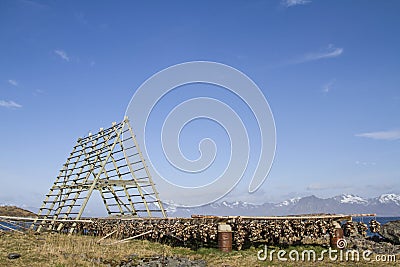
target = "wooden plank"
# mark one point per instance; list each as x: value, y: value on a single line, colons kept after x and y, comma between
x: 38, y: 219
x: 104, y: 237
x: 130, y: 238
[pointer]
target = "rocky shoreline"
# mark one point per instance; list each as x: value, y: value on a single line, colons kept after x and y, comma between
x: 385, y: 241
x: 391, y: 232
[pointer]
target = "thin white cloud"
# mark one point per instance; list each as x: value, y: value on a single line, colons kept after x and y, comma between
x: 364, y: 163
x: 291, y: 3
x: 13, y: 82
x: 62, y: 54
x: 328, y: 87
x: 9, y: 104
x: 330, y: 52
x: 383, y: 135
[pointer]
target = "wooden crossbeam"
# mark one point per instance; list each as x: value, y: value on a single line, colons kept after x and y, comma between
x: 100, y: 162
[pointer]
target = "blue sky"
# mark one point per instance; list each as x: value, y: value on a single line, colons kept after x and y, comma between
x: 330, y: 71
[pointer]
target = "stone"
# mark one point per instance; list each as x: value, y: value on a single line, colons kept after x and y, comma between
x: 391, y: 232
x: 13, y: 256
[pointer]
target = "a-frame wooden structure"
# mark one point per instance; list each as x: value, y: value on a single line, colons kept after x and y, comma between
x: 111, y: 163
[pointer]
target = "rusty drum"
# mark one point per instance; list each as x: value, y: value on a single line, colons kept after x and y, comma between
x: 224, y: 237
x: 337, y: 240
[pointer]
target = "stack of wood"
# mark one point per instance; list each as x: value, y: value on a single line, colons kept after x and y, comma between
x: 362, y: 229
x: 353, y: 228
x: 203, y: 231
x: 349, y: 228
x: 273, y: 232
x: 374, y: 226
x: 199, y: 232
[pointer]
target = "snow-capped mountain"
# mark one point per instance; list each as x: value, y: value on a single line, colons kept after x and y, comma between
x: 288, y: 202
x: 384, y: 205
x: 233, y: 205
x: 351, y: 199
x: 389, y: 198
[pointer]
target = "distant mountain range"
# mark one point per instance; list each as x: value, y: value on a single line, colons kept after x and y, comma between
x: 384, y: 205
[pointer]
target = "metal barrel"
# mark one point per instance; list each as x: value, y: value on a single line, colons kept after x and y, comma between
x: 337, y: 236
x: 224, y: 237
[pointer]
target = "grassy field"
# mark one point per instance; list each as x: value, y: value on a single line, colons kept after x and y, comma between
x: 62, y: 250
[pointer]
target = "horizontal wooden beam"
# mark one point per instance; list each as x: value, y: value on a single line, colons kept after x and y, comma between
x: 11, y: 218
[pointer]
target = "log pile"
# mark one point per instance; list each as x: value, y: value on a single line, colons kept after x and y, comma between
x: 203, y: 232
x: 374, y: 226
x: 273, y: 232
x: 351, y: 228
x: 184, y: 232
x: 362, y: 229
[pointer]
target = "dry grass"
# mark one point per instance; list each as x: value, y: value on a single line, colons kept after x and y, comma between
x: 62, y: 250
